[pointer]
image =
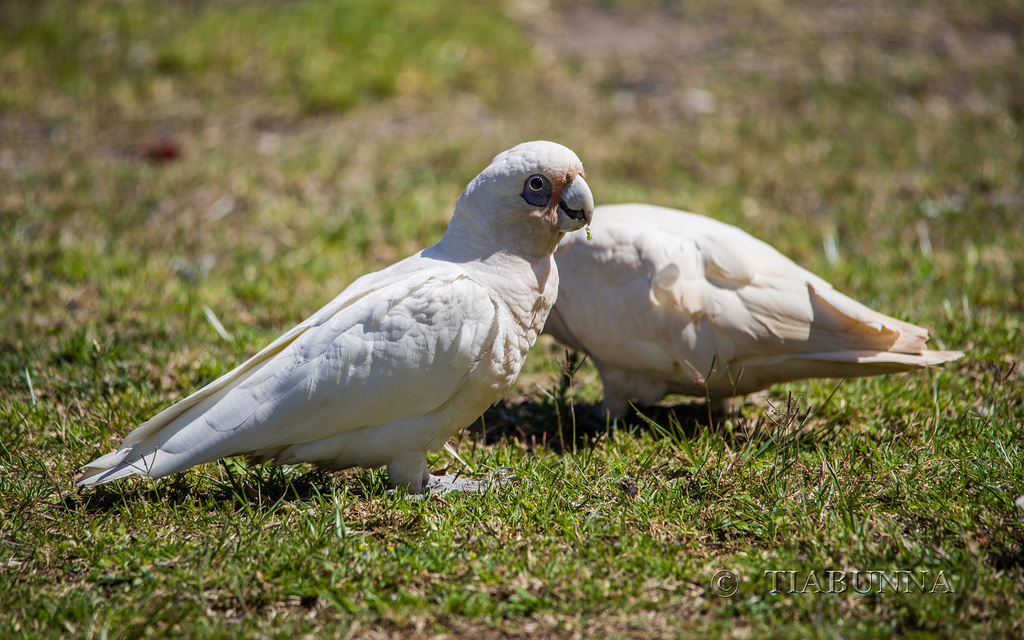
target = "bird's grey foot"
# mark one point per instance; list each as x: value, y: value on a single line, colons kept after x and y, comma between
x: 453, y: 483
x: 456, y: 484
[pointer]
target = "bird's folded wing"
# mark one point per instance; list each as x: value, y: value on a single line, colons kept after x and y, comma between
x: 358, y: 362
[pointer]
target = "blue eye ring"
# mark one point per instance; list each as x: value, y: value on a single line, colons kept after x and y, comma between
x: 537, y: 190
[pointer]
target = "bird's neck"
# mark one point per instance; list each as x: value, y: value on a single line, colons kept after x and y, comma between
x: 470, y: 239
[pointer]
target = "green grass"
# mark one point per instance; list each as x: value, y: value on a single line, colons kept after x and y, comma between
x: 321, y: 140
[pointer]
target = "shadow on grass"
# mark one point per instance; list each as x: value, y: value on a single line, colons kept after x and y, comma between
x: 1009, y: 558
x: 245, y: 486
x: 551, y: 422
x: 557, y: 422
x: 563, y: 429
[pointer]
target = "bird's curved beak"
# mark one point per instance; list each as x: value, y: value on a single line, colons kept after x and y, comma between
x: 576, y: 207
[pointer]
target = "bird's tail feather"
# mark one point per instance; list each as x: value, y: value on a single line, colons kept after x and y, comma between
x: 140, y: 450
x: 112, y: 467
x: 848, y: 364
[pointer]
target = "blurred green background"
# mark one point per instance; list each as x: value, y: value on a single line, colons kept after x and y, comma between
x: 254, y: 157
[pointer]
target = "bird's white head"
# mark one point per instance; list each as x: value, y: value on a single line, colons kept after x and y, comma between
x: 524, y: 202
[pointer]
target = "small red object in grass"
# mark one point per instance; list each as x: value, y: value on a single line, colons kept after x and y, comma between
x: 161, y: 150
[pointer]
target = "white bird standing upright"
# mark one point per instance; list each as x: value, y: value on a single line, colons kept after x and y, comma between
x: 664, y: 301
x: 401, y: 360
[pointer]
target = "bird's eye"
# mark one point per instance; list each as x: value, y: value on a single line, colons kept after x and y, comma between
x: 537, y: 190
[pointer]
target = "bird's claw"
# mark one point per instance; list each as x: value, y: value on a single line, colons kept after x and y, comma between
x: 453, y: 483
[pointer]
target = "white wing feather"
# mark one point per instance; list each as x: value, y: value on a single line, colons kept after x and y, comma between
x: 376, y: 341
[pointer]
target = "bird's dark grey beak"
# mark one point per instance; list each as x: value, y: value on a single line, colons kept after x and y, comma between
x: 576, y: 208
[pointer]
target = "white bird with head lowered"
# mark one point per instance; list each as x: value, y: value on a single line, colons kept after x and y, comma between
x: 665, y: 301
